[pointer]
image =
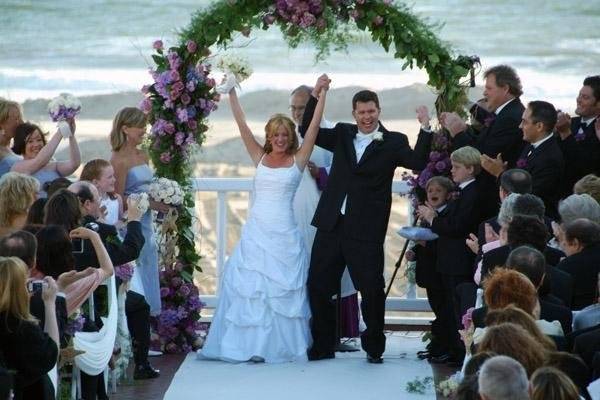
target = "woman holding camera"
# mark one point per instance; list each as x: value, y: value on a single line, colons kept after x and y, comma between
x: 25, y: 347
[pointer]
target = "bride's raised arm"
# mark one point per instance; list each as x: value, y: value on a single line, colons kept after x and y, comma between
x: 304, y: 152
x: 255, y: 150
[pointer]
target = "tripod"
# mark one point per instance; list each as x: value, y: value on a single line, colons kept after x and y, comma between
x: 399, y: 262
x: 340, y: 346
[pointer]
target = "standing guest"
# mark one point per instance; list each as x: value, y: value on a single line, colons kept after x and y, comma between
x: 28, y: 349
x: 134, y: 175
x: 579, y: 138
x: 501, y: 137
x: 439, y: 190
x: 314, y: 180
x: 102, y: 175
x: 352, y: 218
x: 454, y: 259
x: 549, y: 383
x: 581, y: 243
x: 17, y: 194
x: 30, y: 142
x: 503, y: 378
x: 10, y: 118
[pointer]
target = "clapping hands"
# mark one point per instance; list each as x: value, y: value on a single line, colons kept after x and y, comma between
x: 423, y: 117
x: 494, y: 166
x: 426, y: 213
x: 453, y: 123
x: 563, y: 125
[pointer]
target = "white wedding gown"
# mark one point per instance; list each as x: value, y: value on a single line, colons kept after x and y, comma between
x: 263, y: 308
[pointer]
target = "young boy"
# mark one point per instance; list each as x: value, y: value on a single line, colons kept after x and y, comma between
x: 454, y: 259
x: 581, y: 244
x: 439, y: 190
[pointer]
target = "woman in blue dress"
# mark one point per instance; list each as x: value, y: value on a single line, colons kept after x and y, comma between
x: 30, y: 143
x: 134, y: 175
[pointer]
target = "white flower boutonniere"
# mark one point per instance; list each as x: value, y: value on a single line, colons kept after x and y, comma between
x: 378, y: 136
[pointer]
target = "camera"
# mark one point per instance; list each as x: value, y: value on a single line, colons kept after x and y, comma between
x: 77, y: 245
x: 35, y: 286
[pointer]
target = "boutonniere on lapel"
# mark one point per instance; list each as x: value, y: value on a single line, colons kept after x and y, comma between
x: 378, y: 136
x: 579, y: 136
x: 522, y: 163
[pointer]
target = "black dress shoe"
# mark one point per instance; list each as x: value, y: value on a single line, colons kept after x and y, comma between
x: 374, y: 360
x: 145, y: 372
x: 315, y: 355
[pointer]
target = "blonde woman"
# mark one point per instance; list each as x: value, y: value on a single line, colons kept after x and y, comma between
x: 17, y: 194
x: 133, y: 175
x: 10, y: 118
x: 27, y: 348
x: 263, y: 313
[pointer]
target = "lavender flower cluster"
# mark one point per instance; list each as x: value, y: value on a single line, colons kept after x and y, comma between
x: 179, y: 99
x: 74, y: 324
x: 304, y: 13
x: 178, y: 322
x: 125, y: 272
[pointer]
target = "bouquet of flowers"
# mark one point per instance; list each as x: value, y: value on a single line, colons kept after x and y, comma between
x: 448, y: 387
x: 235, y: 65
x: 141, y: 200
x: 64, y: 107
x: 466, y: 334
x: 166, y: 191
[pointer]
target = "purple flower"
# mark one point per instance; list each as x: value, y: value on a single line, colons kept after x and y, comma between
x: 158, y: 44
x: 440, y: 166
x: 145, y: 105
x: 145, y: 89
x: 174, y: 60
x: 175, y: 76
x: 165, y: 157
x: 176, y: 281
x: 184, y: 290
x: 268, y: 19
x: 75, y: 325
x: 522, y: 163
x: 179, y: 138
x: 191, y: 46
x: 169, y: 128
x: 124, y: 272
x: 467, y: 319
x: 378, y: 20
x: 489, y: 120
x: 435, y: 156
x: 182, y: 115
x: 579, y: 136
x: 185, y: 99
x: 192, y: 125
x: 190, y: 86
x: 164, y: 292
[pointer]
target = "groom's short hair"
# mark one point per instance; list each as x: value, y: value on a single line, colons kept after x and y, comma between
x: 364, y: 96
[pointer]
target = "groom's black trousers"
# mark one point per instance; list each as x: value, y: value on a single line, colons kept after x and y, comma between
x: 331, y: 253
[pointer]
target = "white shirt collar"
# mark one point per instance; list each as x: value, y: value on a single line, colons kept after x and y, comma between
x: 536, y: 144
x: 464, y: 184
x: 369, y: 135
x: 588, y: 121
x: 502, y: 106
x: 441, y: 208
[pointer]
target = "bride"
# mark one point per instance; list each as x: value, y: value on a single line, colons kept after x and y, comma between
x: 262, y: 313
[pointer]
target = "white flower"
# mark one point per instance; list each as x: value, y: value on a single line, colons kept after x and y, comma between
x: 235, y: 65
x: 378, y: 136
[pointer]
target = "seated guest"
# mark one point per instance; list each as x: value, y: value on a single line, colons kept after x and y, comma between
x: 35, y: 216
x: 513, y: 341
x: 577, y: 136
x: 503, y: 378
x: 531, y: 263
x: 589, y: 184
x: 519, y: 317
x: 454, y: 259
x: 468, y: 388
x: 30, y: 142
x: 28, y: 349
x: 579, y: 206
x: 17, y: 193
x: 572, y: 366
x: 549, y: 383
x: 581, y: 243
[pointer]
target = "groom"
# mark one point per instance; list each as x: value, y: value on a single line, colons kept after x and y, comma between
x: 352, y: 217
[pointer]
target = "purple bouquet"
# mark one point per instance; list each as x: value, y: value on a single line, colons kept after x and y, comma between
x: 125, y: 272
x: 75, y: 324
x: 63, y: 107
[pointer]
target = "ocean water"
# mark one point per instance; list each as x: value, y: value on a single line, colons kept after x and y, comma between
x: 89, y: 47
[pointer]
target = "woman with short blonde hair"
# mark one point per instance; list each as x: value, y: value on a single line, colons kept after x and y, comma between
x: 17, y: 194
x: 549, y: 383
x: 10, y: 118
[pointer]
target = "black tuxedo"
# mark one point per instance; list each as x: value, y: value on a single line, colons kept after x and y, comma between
x: 584, y: 268
x: 546, y: 165
x: 581, y: 156
x: 356, y: 238
x: 504, y: 136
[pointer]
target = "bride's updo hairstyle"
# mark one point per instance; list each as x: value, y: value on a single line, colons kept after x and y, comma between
x: 129, y: 116
x: 271, y: 128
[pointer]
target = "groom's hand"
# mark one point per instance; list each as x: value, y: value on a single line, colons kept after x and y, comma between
x: 322, y: 83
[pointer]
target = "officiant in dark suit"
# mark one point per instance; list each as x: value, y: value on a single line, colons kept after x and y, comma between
x: 500, y: 136
x: 352, y: 217
x: 578, y: 137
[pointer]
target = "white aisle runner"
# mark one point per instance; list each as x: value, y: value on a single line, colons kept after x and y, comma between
x: 347, y: 377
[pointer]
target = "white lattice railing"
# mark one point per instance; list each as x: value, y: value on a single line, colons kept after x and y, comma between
x: 223, y: 186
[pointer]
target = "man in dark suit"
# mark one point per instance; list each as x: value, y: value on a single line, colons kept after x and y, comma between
x: 120, y: 252
x: 532, y: 263
x: 500, y: 138
x: 352, y: 217
x: 579, y: 138
x: 542, y: 158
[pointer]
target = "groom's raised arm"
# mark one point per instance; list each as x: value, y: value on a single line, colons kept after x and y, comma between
x: 327, y: 137
x: 416, y: 159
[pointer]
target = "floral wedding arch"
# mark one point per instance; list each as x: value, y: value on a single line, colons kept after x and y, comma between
x: 183, y: 95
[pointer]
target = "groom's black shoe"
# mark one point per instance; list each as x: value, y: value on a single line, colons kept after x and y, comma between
x: 374, y: 360
x: 314, y: 355
x: 145, y: 372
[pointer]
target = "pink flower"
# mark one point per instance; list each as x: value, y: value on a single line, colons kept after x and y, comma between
x: 192, y: 125
x: 145, y: 106
x: 165, y: 157
x: 190, y: 86
x: 158, y: 45
x: 145, y: 89
x: 210, y: 82
x: 185, y: 99
x: 378, y: 20
x: 175, y: 76
x: 191, y: 46
x: 467, y: 319
x: 169, y: 128
x: 269, y: 19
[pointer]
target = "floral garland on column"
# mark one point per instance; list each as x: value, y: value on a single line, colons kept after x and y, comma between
x: 182, y: 97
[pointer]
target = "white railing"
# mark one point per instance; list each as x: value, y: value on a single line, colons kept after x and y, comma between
x: 222, y: 186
